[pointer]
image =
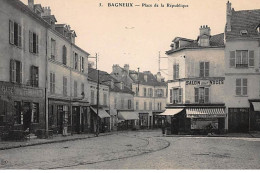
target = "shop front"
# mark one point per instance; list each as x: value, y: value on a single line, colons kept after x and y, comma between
x: 100, y: 119
x: 21, y: 108
x: 254, y: 115
x: 128, y: 120
x: 144, y: 120
x: 157, y: 120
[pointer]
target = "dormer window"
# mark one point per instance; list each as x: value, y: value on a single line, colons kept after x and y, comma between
x: 38, y: 12
x: 258, y: 29
x: 145, y: 78
x: 177, y: 45
x: 243, y: 32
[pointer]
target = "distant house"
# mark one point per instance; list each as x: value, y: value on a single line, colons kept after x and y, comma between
x: 150, y: 93
x: 242, y: 70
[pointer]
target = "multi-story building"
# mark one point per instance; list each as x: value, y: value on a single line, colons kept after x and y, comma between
x: 150, y: 93
x: 242, y: 70
x: 22, y: 66
x: 196, y: 83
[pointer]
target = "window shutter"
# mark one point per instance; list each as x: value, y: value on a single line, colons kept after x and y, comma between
x: 11, y: 32
x: 64, y: 55
x: 238, y: 87
x: 232, y: 60
x: 206, y: 95
x: 30, y: 41
x: 32, y: 76
x: 37, y: 44
x: 12, y: 71
x: 174, y: 71
x: 171, y: 95
x: 37, y: 76
x: 53, y: 82
x: 180, y: 95
x: 201, y: 69
x: 21, y: 73
x: 177, y: 71
x: 196, y: 95
x: 251, y: 59
x: 19, y: 36
x: 244, y: 86
x: 206, y: 69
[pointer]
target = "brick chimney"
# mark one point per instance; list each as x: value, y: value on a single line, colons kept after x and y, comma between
x: 204, y: 36
x: 204, y: 30
x: 229, y: 13
x: 46, y: 11
x: 31, y: 4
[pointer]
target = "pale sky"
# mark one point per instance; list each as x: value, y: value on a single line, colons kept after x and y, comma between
x: 135, y: 35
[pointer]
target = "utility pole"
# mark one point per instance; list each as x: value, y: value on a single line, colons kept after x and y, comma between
x: 159, y: 62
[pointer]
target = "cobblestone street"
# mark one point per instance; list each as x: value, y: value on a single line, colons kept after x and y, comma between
x: 138, y: 150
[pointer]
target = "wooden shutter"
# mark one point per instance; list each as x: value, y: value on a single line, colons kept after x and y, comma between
x: 174, y: 71
x: 51, y: 90
x: 251, y: 58
x: 206, y: 69
x: 64, y: 55
x: 232, y: 59
x: 171, y: 95
x: 202, y: 69
x: 177, y: 71
x: 11, y: 32
x: 19, y: 36
x: 12, y: 71
x: 30, y: 41
x: 32, y: 76
x: 37, y: 44
x: 21, y: 73
x: 238, y: 87
x: 53, y: 78
x: 206, y: 95
x: 244, y: 86
x: 180, y: 95
x: 196, y: 95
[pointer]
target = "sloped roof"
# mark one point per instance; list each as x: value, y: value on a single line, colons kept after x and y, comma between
x: 214, y: 41
x: 244, y: 20
x: 105, y: 79
x: 151, y: 79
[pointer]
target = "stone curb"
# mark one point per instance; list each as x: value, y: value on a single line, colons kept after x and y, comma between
x: 51, y: 141
x: 227, y: 136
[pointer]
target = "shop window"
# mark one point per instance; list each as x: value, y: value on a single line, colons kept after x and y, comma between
x: 201, y: 95
x: 15, y: 71
x: 204, y: 69
x: 52, y: 83
x: 176, y: 71
x: 17, y: 115
x: 33, y: 42
x: 15, y: 33
x: 34, y: 76
x: 64, y: 55
x: 53, y: 49
x: 3, y: 112
x: 35, y: 112
x: 241, y: 59
x: 241, y: 87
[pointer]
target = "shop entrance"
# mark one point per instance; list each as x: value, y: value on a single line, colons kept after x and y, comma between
x: 76, y: 118
x: 238, y: 119
x: 27, y: 114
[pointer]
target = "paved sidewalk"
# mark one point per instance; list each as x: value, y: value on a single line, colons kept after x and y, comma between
x: 5, y: 145
x: 231, y: 135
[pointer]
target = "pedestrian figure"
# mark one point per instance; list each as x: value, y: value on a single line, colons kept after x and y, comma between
x: 97, y: 130
x: 163, y: 130
x: 210, y: 128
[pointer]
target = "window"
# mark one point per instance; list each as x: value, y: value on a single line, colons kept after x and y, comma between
x: 145, y: 106
x: 144, y: 92
x: 176, y: 95
x: 34, y: 76
x: 241, y: 59
x: 176, y: 71
x: 159, y: 93
x: 122, y: 104
x: 115, y: 103
x: 105, y: 99
x: 75, y: 61
x: 17, y: 115
x: 204, y: 69
x: 65, y: 86
x: 150, y: 106
x: 52, y: 83
x: 53, y: 49
x: 15, y: 33
x: 75, y: 89
x: 137, y: 105
x: 33, y: 42
x: 201, y: 95
x: 15, y: 71
x: 92, y: 96
x: 35, y: 112
x: 82, y: 64
x: 129, y: 104
x: 241, y: 87
x: 64, y: 55
x: 150, y: 92
x: 82, y: 89
x: 137, y: 91
x: 159, y: 105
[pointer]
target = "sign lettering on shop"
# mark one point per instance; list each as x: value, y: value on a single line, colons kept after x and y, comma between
x: 20, y: 91
x: 205, y: 82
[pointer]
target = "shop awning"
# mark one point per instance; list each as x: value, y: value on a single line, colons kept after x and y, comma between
x: 170, y: 112
x: 113, y: 112
x: 101, y: 113
x: 128, y: 115
x: 256, y: 106
x: 205, y: 113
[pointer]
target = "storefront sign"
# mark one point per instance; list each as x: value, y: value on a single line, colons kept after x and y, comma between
x: 20, y: 91
x: 205, y: 82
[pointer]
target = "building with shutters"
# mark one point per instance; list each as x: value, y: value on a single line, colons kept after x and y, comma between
x: 196, y: 83
x: 242, y: 69
x: 150, y: 93
x: 22, y: 67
